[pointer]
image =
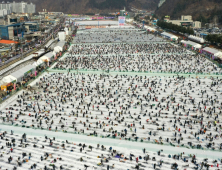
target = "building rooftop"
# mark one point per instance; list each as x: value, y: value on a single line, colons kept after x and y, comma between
x: 8, y: 42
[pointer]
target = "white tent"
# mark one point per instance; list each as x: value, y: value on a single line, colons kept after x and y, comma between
x: 57, y: 49
x: 193, y: 44
x: 169, y: 36
x: 49, y: 43
x: 54, y: 53
x: 66, y: 31
x: 35, y: 64
x: 218, y: 55
x: 39, y: 62
x: 59, y: 46
x: 8, y: 79
x: 211, y: 50
x: 182, y: 41
x: 197, y: 39
x: 62, y: 35
x: 21, y: 72
x: 43, y: 59
x: 47, y: 55
x: 148, y: 28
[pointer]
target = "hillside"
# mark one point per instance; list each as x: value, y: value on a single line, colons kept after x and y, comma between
x: 92, y: 6
x: 199, y: 9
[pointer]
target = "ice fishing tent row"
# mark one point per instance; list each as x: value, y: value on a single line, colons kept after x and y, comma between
x: 197, y: 39
x: 169, y: 36
x: 59, y: 46
x: 19, y: 74
x: 191, y: 44
x: 212, y: 52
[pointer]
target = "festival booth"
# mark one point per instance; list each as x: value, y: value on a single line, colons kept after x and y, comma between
x: 191, y: 45
x: 59, y: 46
x: 5, y: 82
x: 211, y: 52
x: 47, y: 58
x: 169, y: 36
x: 196, y: 39
x: 21, y: 73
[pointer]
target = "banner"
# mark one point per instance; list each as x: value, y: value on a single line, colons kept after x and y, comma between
x: 121, y: 20
x: 100, y: 17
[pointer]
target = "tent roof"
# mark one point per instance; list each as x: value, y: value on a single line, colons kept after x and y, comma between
x: 39, y: 62
x: 199, y: 39
x: 219, y: 55
x: 211, y: 50
x: 196, y: 45
x: 168, y: 35
x: 43, y: 58
x: 49, y: 55
x: 49, y: 43
x: 20, y: 73
x: 60, y: 44
x: 57, y: 49
x: 8, y: 79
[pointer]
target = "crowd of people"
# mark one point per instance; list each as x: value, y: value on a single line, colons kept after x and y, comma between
x: 173, y: 111
x: 132, y: 107
x: 26, y: 152
x: 113, y: 36
x: 143, y: 57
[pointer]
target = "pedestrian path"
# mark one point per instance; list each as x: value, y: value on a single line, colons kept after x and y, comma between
x: 136, y: 73
x: 112, y: 142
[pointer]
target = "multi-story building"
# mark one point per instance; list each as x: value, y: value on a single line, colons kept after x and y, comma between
x: 4, y: 12
x: 31, y: 8
x: 186, y: 21
x: 5, y: 8
x: 18, y: 7
x: 9, y: 32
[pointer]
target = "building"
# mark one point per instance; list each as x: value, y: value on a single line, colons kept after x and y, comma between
x: 196, y: 24
x: 31, y: 26
x: 186, y: 21
x: 18, y: 7
x: 4, y: 12
x: 30, y: 8
x: 12, y: 19
x: 12, y: 31
x: 6, y: 6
